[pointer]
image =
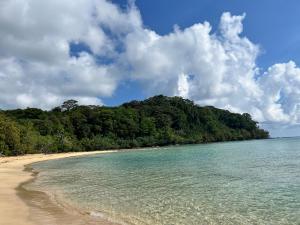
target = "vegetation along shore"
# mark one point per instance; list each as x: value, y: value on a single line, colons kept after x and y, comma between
x: 156, y: 121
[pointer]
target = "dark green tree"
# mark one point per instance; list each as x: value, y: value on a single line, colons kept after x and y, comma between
x: 159, y: 120
x: 69, y: 104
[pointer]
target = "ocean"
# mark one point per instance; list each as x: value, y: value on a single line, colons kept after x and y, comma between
x: 249, y: 182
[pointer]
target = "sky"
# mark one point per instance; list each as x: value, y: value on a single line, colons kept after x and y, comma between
x: 237, y: 55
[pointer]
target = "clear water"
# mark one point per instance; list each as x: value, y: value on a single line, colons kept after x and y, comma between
x: 252, y: 182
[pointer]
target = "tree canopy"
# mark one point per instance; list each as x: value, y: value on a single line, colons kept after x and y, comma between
x: 156, y: 121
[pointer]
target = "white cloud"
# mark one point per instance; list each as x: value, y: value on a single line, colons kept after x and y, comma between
x: 215, y: 69
x: 35, y: 38
x: 36, y: 68
x: 281, y: 99
x: 218, y: 69
x: 183, y: 85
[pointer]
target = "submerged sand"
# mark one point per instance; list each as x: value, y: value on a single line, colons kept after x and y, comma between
x: 37, y: 207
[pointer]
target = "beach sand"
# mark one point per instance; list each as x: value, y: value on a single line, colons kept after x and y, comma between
x: 14, y: 210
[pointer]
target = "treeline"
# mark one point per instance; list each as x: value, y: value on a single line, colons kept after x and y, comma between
x: 156, y: 121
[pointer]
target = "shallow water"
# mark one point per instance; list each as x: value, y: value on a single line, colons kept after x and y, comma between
x: 251, y: 182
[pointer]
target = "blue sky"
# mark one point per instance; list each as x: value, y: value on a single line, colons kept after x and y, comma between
x: 273, y: 25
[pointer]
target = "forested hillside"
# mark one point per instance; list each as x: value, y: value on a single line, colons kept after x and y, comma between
x: 156, y: 121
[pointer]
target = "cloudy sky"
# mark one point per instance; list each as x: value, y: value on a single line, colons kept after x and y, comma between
x: 230, y: 54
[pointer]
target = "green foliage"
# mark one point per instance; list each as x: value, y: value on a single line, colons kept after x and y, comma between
x: 69, y: 104
x: 156, y: 121
x: 10, y: 143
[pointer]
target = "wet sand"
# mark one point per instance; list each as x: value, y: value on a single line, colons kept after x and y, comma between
x: 24, y: 207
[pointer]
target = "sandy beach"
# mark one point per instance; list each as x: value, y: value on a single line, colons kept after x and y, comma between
x: 13, y: 210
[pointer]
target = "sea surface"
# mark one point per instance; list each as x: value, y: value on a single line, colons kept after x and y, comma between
x: 250, y: 182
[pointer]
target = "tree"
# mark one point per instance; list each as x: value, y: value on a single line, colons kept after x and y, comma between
x: 69, y: 104
x: 9, y: 137
x: 159, y: 120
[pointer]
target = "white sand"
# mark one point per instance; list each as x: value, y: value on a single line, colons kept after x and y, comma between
x: 13, y: 210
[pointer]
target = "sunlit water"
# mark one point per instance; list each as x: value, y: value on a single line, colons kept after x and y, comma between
x: 252, y: 182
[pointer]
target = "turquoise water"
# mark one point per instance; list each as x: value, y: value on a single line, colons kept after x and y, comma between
x: 251, y: 182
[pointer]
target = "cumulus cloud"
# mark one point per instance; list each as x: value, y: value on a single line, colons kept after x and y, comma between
x: 195, y: 63
x: 281, y: 93
x: 216, y: 69
x: 38, y: 67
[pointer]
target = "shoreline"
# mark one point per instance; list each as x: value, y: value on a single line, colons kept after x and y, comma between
x: 15, y: 207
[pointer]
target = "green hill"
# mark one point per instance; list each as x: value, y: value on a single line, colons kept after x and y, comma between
x: 156, y: 121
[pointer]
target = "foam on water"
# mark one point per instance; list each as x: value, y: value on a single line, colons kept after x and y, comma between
x: 253, y: 182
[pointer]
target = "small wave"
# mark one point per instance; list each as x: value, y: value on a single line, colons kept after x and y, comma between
x: 97, y: 214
